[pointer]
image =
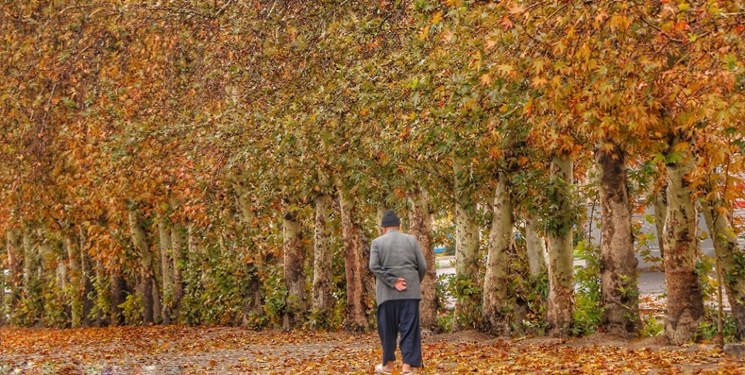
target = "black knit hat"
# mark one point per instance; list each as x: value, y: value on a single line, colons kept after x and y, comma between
x: 390, y: 220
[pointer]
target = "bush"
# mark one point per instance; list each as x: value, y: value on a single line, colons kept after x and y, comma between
x: 587, y: 310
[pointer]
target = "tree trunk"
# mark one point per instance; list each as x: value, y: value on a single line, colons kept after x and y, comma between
x: 179, y: 242
x: 293, y: 269
x: 118, y: 294
x: 166, y: 264
x: 355, y: 266
x: 684, y: 302
x: 15, y: 272
x: 619, y: 291
x: 322, y: 303
x: 87, y: 274
x: 31, y: 294
x: 147, y: 276
x: 102, y: 294
x: 560, y: 262
x: 496, y: 280
x: 660, y: 215
x: 29, y: 263
x: 536, y: 247
x: 467, y: 257
x: 76, y: 288
x: 729, y: 259
x: 420, y: 225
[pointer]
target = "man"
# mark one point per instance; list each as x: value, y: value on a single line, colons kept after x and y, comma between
x: 398, y: 264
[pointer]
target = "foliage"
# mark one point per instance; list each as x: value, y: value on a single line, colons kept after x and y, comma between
x: 652, y: 326
x: 219, y: 116
x: 588, y: 312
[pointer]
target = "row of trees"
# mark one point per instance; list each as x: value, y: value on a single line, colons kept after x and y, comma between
x: 226, y: 161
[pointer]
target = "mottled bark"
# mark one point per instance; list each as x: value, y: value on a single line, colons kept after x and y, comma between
x: 660, y: 215
x: 31, y: 294
x: 29, y: 260
x: 496, y: 279
x: 147, y: 276
x: 619, y: 291
x: 559, y: 239
x: 684, y: 301
x: 355, y: 266
x: 729, y: 258
x: 467, y: 259
x: 293, y: 270
x: 420, y: 226
x: 322, y: 302
x: 166, y: 263
x: 536, y: 247
x: 15, y: 270
x: 76, y: 288
x: 179, y: 243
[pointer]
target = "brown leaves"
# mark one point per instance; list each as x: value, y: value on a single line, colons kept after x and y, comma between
x: 187, y: 350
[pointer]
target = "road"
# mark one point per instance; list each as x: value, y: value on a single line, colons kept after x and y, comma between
x: 650, y: 283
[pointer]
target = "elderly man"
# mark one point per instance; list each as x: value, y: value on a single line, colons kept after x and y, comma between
x: 398, y: 264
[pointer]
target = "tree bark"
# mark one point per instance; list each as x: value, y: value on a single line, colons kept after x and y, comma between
x: 322, y: 303
x: 729, y: 259
x: 560, y: 262
x: 102, y: 289
x: 619, y: 291
x: 293, y: 269
x: 179, y: 242
x: 660, y: 215
x: 420, y: 225
x: 118, y: 294
x: 535, y: 247
x: 31, y: 293
x: 496, y: 280
x: 467, y: 257
x: 684, y: 301
x: 147, y: 276
x: 15, y: 271
x: 166, y: 264
x: 355, y: 266
x: 76, y: 288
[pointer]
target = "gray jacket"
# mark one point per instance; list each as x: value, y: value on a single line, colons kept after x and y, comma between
x: 395, y: 255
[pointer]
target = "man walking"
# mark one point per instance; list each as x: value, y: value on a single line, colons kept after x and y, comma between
x: 398, y: 264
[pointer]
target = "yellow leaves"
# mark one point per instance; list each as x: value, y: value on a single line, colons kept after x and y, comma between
x: 538, y: 82
x: 619, y: 22
x: 505, y: 70
x: 436, y: 18
x: 506, y: 22
x: 486, y: 79
x: 681, y: 147
x: 240, y: 351
x: 424, y: 33
x: 476, y: 60
x: 584, y: 51
x: 600, y: 18
x: 516, y: 9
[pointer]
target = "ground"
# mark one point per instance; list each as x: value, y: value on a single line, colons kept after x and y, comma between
x: 222, y: 350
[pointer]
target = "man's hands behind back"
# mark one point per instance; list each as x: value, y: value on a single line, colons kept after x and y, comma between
x: 400, y: 284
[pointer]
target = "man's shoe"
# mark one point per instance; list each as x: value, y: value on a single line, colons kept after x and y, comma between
x: 379, y: 369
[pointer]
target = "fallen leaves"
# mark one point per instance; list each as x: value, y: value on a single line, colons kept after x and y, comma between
x: 215, y: 350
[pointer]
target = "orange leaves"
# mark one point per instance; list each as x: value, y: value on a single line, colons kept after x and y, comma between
x: 194, y: 350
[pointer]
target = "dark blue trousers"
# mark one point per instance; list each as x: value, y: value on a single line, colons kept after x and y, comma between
x: 400, y: 316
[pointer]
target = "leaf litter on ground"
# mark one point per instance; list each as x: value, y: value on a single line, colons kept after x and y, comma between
x: 225, y: 350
